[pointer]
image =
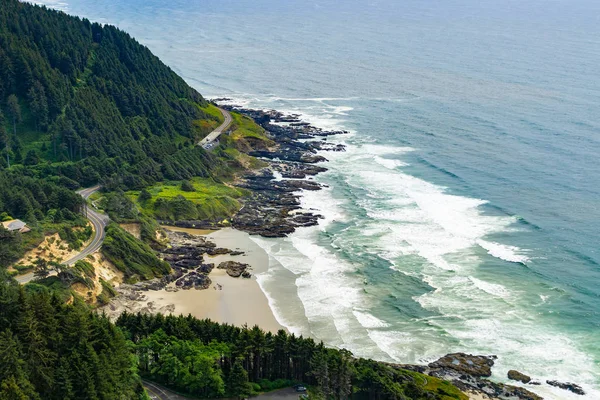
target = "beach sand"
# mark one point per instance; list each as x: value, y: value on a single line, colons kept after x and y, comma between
x: 241, y: 301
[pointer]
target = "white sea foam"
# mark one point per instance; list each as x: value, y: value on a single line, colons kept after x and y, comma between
x: 433, y: 222
x: 503, y: 252
x: 397, y: 345
x: 490, y: 288
x: 411, y: 218
x: 368, y: 320
x: 389, y: 163
x: 325, y: 204
x: 320, y: 114
x: 311, y: 99
x: 277, y: 176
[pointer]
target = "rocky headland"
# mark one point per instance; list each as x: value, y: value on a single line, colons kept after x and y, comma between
x: 273, y: 207
x: 273, y: 210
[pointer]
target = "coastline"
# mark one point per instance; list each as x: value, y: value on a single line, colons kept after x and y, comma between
x: 275, y: 210
x: 239, y: 302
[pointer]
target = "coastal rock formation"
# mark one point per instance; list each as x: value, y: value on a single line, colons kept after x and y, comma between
x: 572, y: 387
x: 517, y: 376
x: 187, y: 250
x: 296, y: 170
x: 496, y: 390
x: 448, y: 368
x: 194, y: 280
x: 205, y: 268
x: 233, y: 268
x: 478, y: 366
x: 273, y: 210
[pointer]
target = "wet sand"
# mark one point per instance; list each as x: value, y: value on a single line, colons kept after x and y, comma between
x: 240, y: 301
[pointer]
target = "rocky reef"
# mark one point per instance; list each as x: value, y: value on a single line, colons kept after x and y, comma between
x: 468, y: 373
x: 189, y: 271
x: 571, y: 387
x: 478, y: 366
x: 273, y: 209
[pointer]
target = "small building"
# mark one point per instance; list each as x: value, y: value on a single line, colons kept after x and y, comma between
x: 16, y: 225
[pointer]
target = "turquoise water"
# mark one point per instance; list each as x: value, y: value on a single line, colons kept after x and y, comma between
x: 464, y: 215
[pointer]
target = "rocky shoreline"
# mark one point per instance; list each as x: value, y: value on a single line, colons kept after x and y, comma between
x: 273, y: 210
x: 468, y: 373
x: 185, y: 255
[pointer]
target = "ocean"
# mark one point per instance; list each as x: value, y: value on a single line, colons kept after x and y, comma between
x: 464, y: 214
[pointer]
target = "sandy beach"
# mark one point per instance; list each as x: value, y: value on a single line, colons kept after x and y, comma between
x: 238, y: 302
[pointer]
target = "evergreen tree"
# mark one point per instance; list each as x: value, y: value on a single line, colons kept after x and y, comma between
x: 4, y: 139
x: 63, y: 387
x: 41, y: 268
x: 12, y: 389
x: 237, y: 384
x: 14, y: 111
x: 39, y: 104
x: 187, y: 186
x: 31, y: 158
x: 144, y: 196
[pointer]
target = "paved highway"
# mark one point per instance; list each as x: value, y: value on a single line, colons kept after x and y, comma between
x: 99, y: 221
x: 159, y: 393
x: 208, y: 141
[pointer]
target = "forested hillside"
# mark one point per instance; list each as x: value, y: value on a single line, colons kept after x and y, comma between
x: 81, y: 104
x: 53, y: 351
x: 94, y: 103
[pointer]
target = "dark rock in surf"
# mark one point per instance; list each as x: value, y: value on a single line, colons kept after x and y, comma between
x: 478, y: 366
x: 572, y: 387
x: 518, y: 376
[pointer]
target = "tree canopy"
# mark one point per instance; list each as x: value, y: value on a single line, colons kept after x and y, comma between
x: 50, y: 350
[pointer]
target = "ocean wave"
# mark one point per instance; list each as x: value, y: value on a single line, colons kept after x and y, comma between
x: 491, y: 288
x: 426, y: 233
x: 504, y: 252
x: 368, y: 320
x: 389, y: 163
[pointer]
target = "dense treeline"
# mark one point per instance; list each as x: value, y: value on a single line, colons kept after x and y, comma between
x: 95, y: 103
x: 49, y: 350
x: 40, y: 202
x: 206, y: 359
x: 30, y: 198
x: 134, y: 258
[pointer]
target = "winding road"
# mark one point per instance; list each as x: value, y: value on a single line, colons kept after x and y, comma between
x: 160, y: 393
x: 208, y: 142
x: 99, y: 221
